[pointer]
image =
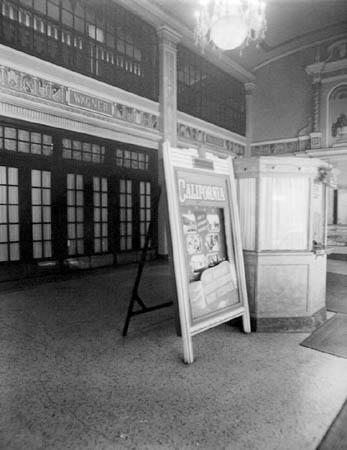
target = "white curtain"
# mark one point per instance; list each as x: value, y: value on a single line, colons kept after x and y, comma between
x: 342, y: 206
x: 284, y: 206
x: 331, y: 195
x: 246, y: 191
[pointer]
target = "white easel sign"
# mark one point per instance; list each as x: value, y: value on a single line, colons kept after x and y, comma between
x: 206, y: 242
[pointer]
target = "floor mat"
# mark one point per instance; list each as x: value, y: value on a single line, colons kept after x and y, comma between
x: 331, y: 337
x: 336, y: 436
x: 338, y: 256
x: 337, y: 293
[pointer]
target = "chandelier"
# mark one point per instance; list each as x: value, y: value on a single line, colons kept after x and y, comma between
x: 228, y: 24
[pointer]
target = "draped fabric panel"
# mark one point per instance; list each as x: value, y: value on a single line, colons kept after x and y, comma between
x: 284, y: 206
x: 342, y: 206
x: 331, y: 194
x: 247, y: 202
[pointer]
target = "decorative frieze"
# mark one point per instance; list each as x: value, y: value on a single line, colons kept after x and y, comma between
x: 24, y: 83
x: 235, y: 147
x: 214, y: 140
x: 134, y: 115
x: 196, y: 135
x: 190, y: 133
x: 282, y: 147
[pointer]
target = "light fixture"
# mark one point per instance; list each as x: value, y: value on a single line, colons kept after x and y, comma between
x: 228, y: 24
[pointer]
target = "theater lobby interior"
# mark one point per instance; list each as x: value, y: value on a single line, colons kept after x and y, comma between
x: 145, y: 147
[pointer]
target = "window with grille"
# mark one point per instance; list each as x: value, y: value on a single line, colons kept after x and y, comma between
x: 75, y: 214
x: 41, y: 201
x: 145, y: 210
x: 131, y: 159
x: 100, y: 206
x: 9, y: 214
x: 83, y: 151
x: 206, y: 92
x: 100, y: 39
x: 126, y: 214
x: 24, y: 141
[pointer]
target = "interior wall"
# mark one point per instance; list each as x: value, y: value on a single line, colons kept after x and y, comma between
x: 283, y: 97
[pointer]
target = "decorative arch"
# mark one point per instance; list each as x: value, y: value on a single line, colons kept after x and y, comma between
x: 339, y: 93
x: 337, y: 113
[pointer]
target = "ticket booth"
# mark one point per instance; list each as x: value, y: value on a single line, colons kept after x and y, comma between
x: 283, y: 204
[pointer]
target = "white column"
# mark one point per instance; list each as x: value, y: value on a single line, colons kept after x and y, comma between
x: 249, y: 90
x: 316, y: 103
x: 315, y: 71
x: 168, y: 40
x: 316, y: 135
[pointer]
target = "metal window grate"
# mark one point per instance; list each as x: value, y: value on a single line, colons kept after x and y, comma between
x: 99, y: 39
x: 206, y: 92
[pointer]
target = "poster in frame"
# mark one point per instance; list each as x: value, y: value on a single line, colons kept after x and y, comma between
x: 206, y: 242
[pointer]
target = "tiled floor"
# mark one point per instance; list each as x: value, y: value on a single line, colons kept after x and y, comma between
x: 68, y: 380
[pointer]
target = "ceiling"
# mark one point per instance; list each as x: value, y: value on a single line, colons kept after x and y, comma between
x: 290, y: 24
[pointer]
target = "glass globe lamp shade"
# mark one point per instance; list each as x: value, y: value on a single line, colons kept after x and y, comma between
x: 229, y: 32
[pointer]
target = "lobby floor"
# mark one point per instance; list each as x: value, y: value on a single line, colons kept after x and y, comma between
x: 70, y: 381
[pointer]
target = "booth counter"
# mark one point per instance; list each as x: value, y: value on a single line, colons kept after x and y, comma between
x: 283, y: 216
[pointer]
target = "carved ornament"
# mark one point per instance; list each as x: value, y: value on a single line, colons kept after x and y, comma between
x: 199, y: 136
x: 284, y: 147
x: 16, y: 81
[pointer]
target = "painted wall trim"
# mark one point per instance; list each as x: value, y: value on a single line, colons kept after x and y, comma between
x: 276, y: 141
x: 22, y: 109
x: 209, y: 127
x: 194, y: 132
x: 296, y: 50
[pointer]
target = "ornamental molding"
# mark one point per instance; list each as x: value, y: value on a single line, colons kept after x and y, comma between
x: 329, y: 152
x: 325, y: 69
x: 337, y: 50
x: 25, y: 83
x: 201, y: 137
x: 168, y: 36
x: 74, y: 123
x: 339, y: 75
x: 334, y: 64
x: 249, y: 88
x: 281, y: 146
x: 27, y: 86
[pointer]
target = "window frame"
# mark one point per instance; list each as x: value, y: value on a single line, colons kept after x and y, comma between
x: 59, y: 167
x: 201, y: 92
x: 122, y: 52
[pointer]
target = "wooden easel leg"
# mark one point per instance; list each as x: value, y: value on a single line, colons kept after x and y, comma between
x: 188, y: 354
x: 246, y: 323
x: 127, y: 320
x: 135, y: 296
